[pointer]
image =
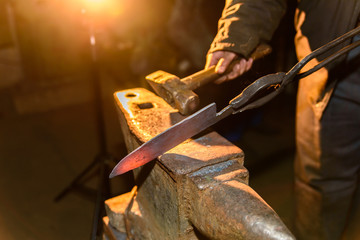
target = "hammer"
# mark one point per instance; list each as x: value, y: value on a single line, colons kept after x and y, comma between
x: 179, y: 92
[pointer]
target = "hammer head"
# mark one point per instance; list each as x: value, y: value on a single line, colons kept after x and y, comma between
x: 174, y: 91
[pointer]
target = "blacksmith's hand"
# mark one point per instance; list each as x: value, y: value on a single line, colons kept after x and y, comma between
x: 222, y: 60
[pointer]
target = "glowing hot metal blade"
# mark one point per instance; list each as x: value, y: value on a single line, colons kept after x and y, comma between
x: 168, y: 139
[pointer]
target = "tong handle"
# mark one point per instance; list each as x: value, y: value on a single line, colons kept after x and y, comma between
x: 296, y: 69
x: 329, y: 59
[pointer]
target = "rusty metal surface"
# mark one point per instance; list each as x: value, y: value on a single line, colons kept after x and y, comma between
x: 159, y: 202
x: 147, y: 115
x: 112, y: 233
x: 116, y: 208
x: 218, y: 173
x: 223, y: 206
x: 200, y: 152
x: 197, y: 190
x: 166, y: 140
x: 174, y: 91
x: 149, y: 122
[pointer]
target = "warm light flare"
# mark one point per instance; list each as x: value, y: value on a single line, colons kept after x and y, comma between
x: 108, y: 8
x: 95, y: 4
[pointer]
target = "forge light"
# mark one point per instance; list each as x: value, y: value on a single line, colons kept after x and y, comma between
x: 103, y: 8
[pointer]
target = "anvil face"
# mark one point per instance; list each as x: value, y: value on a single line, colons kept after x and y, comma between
x: 199, y: 186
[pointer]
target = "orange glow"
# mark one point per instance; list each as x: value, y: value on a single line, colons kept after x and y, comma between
x: 103, y: 8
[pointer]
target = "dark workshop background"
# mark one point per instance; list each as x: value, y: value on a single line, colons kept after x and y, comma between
x: 48, y: 129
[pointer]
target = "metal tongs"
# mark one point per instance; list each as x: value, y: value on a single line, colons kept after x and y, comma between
x: 269, y: 86
x: 255, y: 95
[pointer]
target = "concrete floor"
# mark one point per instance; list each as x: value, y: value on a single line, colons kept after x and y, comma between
x: 41, y: 153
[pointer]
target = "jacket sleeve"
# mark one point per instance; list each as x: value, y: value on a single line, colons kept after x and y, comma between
x: 246, y: 23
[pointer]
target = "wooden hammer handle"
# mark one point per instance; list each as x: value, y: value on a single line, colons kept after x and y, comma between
x: 208, y: 75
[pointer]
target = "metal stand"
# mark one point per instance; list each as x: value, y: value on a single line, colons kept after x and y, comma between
x: 103, y: 157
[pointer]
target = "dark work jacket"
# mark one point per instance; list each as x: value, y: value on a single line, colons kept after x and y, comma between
x: 246, y: 23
